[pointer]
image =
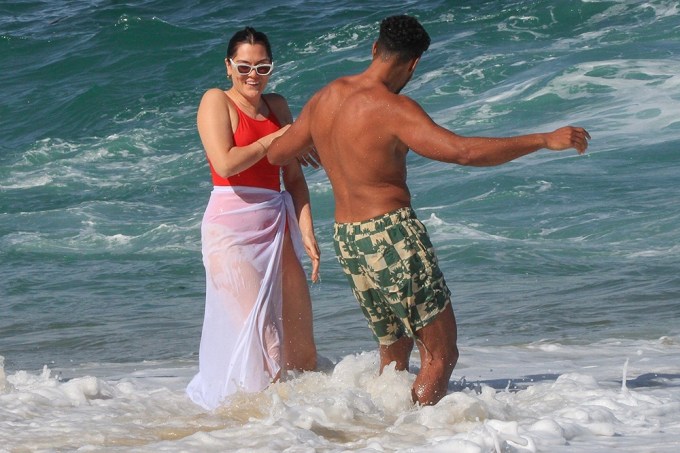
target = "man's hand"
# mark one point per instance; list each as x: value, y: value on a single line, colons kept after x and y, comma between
x: 310, y: 158
x: 568, y: 137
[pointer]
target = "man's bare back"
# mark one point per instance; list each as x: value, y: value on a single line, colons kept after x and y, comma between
x: 364, y: 160
x: 362, y: 129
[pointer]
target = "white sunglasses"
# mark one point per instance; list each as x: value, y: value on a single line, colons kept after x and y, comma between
x: 245, y: 69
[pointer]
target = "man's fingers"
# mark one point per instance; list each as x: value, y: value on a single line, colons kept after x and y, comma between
x: 569, y: 137
x: 310, y: 159
x: 581, y: 139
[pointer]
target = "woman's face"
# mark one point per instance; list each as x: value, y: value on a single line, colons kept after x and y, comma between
x: 253, y: 82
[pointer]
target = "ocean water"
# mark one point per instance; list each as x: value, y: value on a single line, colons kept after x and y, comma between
x: 564, y: 268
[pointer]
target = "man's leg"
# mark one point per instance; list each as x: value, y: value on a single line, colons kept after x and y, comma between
x: 299, y: 350
x: 438, y: 357
x: 398, y: 352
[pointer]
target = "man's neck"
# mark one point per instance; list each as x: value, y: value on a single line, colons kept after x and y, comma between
x: 388, y: 73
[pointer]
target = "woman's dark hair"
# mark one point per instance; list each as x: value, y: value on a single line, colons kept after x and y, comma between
x: 402, y: 36
x: 248, y: 36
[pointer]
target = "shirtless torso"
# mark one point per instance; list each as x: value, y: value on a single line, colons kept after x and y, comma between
x: 363, y: 128
x: 363, y: 157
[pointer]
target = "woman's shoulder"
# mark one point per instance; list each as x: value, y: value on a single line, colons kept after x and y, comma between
x: 279, y: 106
x: 216, y: 100
x: 275, y: 99
x: 215, y: 94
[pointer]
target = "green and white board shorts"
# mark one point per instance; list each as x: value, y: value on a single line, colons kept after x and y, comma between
x: 393, y: 272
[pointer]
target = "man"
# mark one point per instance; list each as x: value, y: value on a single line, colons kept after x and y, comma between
x: 362, y: 129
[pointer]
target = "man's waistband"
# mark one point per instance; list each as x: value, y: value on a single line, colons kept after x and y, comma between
x: 376, y: 224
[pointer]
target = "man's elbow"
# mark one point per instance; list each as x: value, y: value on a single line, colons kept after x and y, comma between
x: 462, y: 156
x: 275, y: 155
x: 470, y: 157
x: 276, y: 158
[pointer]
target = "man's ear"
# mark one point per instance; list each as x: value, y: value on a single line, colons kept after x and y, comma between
x: 374, y: 50
x: 413, y: 64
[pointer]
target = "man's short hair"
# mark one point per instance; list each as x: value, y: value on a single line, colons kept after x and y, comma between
x: 402, y: 36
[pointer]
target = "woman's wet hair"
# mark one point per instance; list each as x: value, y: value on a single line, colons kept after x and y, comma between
x: 402, y: 36
x: 248, y: 36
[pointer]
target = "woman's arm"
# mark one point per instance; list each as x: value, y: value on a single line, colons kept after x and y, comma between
x: 215, y: 127
x: 296, y: 184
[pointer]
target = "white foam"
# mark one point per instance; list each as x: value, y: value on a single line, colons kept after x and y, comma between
x: 642, y: 97
x: 534, y: 398
x: 444, y: 232
x: 666, y: 251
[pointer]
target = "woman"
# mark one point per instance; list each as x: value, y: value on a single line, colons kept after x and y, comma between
x: 258, y: 315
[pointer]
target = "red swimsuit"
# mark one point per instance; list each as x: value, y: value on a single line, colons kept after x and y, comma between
x: 262, y: 173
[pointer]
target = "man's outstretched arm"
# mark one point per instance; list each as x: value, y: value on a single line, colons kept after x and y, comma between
x: 421, y: 134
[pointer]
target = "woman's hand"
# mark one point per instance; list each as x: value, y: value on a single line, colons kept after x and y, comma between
x: 312, y: 249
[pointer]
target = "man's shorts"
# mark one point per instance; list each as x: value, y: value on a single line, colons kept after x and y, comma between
x: 392, y: 268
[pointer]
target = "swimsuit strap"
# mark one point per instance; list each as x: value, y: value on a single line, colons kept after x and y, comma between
x: 271, y: 116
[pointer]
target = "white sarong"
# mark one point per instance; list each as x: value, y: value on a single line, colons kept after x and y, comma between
x: 242, y: 238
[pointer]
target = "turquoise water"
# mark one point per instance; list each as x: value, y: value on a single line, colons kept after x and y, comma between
x: 103, y: 180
